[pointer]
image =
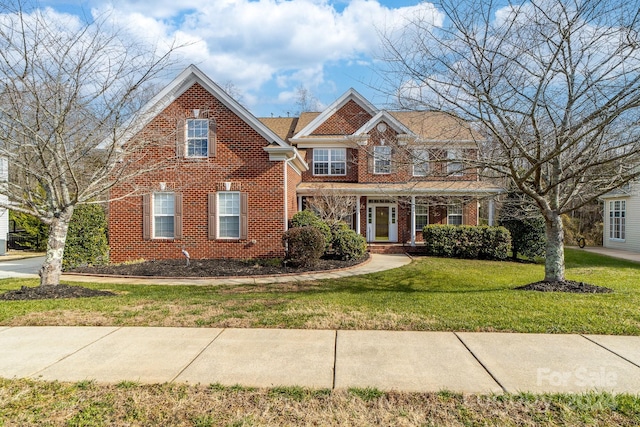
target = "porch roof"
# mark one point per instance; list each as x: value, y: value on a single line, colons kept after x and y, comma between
x: 416, y: 188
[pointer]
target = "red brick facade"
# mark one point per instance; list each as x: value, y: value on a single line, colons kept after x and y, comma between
x: 240, y: 159
x: 266, y: 173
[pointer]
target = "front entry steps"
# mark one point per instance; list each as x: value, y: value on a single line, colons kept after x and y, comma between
x: 391, y: 248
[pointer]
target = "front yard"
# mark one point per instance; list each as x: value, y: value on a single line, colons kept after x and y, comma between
x: 430, y: 294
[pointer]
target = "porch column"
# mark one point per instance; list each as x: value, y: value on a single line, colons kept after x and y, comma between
x: 358, y: 214
x: 299, y: 203
x: 413, y: 220
x: 491, y: 211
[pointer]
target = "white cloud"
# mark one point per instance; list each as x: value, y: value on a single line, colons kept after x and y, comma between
x: 252, y: 43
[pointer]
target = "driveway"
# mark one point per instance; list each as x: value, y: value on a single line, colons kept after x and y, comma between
x: 20, y: 268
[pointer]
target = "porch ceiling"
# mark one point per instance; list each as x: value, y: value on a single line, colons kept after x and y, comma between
x: 418, y: 188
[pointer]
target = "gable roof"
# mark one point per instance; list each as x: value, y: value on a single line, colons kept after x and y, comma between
x: 350, y: 95
x: 384, y: 116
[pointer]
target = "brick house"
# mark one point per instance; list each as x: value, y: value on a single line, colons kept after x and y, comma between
x: 405, y: 169
x: 227, y: 187
x: 232, y: 181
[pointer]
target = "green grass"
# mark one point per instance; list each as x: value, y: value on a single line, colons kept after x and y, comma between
x: 38, y: 403
x: 429, y: 294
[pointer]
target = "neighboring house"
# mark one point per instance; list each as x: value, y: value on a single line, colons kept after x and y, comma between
x: 4, y: 213
x: 621, y: 220
x: 234, y: 180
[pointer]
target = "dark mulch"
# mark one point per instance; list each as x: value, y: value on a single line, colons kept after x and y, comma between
x: 566, y: 286
x: 52, y: 292
x: 212, y: 268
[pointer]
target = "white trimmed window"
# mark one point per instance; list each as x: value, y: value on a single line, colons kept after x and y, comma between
x: 454, y: 215
x: 197, y: 138
x: 382, y: 159
x: 163, y: 215
x: 329, y: 161
x: 228, y: 215
x: 617, y: 219
x: 455, y: 166
x: 422, y: 216
x: 420, y: 162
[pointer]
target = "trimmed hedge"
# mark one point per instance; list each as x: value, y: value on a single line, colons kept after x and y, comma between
x: 305, y: 245
x: 346, y: 243
x: 472, y: 242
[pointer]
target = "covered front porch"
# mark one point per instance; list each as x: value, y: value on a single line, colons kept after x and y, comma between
x: 396, y: 213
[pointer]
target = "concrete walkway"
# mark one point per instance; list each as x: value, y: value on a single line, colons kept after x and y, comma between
x: 408, y: 361
x: 615, y: 253
x: 377, y: 262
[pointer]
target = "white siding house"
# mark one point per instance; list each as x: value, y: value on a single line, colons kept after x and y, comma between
x: 622, y: 218
x: 4, y: 213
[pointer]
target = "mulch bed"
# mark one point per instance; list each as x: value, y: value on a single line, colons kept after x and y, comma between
x: 52, y: 292
x: 212, y: 268
x: 566, y: 286
x: 171, y: 268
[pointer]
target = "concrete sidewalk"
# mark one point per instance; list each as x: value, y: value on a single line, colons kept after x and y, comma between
x: 408, y: 361
x: 615, y: 253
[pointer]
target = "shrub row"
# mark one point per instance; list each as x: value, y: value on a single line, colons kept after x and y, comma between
x: 472, y: 242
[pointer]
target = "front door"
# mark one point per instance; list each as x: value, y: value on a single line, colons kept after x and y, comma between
x: 382, y: 223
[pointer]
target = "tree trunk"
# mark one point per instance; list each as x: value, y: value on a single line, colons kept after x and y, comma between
x: 554, y: 263
x: 52, y: 267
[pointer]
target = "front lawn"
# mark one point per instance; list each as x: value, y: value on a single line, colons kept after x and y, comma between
x: 430, y: 294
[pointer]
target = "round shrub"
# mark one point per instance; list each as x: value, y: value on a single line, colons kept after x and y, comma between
x: 347, y: 244
x: 308, y: 218
x: 305, y: 245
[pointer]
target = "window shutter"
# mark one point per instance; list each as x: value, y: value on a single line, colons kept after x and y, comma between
x: 211, y: 144
x: 244, y: 209
x: 212, y: 215
x: 146, y: 217
x: 177, y: 216
x: 180, y: 138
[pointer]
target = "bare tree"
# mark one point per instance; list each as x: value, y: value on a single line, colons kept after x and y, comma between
x: 70, y: 92
x: 553, y: 84
x: 332, y: 206
x: 306, y: 101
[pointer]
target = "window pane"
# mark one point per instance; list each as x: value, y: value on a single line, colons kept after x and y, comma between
x: 382, y: 159
x: 163, y: 213
x: 163, y: 204
x: 229, y: 203
x: 163, y: 226
x: 420, y: 162
x: 229, y: 226
x: 197, y: 137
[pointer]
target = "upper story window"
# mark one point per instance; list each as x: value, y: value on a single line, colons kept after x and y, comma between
x: 329, y: 161
x: 382, y: 159
x: 420, y: 162
x: 455, y: 166
x: 197, y: 139
x: 163, y: 215
x: 617, y: 219
x: 454, y: 215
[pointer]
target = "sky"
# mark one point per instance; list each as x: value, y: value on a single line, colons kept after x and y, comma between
x: 267, y: 49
